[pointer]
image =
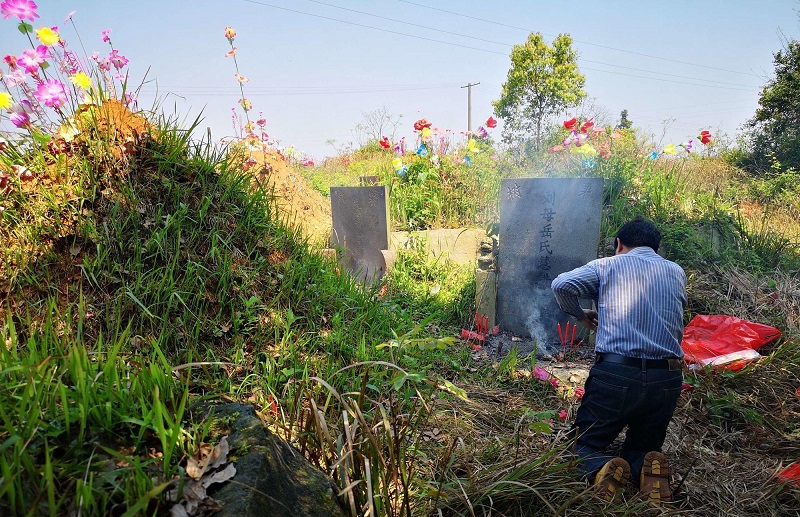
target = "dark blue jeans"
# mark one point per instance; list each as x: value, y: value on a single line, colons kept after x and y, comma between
x: 618, y: 395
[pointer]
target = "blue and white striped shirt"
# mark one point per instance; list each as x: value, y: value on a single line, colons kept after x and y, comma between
x: 640, y: 299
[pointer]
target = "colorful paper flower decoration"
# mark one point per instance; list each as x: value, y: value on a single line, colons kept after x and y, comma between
x: 669, y: 149
x: 385, y: 142
x: 422, y: 150
x: 491, y: 123
x: 421, y: 124
x: 705, y: 137
x: 571, y: 123
x: 586, y: 126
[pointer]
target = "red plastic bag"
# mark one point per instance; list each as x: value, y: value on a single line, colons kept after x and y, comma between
x: 724, y: 340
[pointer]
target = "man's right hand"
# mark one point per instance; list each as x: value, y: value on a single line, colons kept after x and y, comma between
x: 589, y: 319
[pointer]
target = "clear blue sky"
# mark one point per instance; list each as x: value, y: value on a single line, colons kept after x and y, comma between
x: 316, y: 66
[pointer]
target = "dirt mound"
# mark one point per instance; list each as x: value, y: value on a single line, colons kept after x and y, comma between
x: 297, y: 199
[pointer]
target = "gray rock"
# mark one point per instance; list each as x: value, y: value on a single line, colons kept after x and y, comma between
x: 272, y: 478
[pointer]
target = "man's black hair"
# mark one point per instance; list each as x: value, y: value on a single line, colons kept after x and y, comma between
x: 639, y: 232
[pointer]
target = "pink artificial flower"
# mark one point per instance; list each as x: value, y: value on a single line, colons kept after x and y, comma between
x: 15, y: 78
x: 22, y: 9
x: 579, y: 392
x: 69, y: 16
x: 52, y: 93
x: 482, y: 133
x: 261, y: 122
x: 20, y: 119
x: 31, y: 59
x: 104, y: 64
x: 562, y: 415
x: 117, y: 59
x: 11, y: 61
x: 241, y: 78
x: 105, y: 35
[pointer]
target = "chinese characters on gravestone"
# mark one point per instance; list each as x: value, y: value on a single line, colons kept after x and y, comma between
x: 547, y: 226
x: 361, y: 229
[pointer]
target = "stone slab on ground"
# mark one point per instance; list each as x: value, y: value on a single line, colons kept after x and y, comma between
x: 547, y: 226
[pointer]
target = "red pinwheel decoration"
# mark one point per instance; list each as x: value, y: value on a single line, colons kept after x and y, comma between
x: 587, y: 126
x: 491, y: 123
x: 421, y: 124
x: 570, y: 124
x: 705, y: 137
x: 385, y: 143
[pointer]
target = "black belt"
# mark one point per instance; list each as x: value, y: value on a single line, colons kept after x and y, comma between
x: 671, y: 363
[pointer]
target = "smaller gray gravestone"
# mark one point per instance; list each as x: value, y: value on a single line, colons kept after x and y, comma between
x: 547, y: 226
x: 361, y: 229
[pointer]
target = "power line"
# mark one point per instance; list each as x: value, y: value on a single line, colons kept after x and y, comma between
x: 395, y: 20
x: 579, y: 41
x: 487, y: 50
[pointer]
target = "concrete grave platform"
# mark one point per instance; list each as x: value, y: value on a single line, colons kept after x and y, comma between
x: 458, y: 244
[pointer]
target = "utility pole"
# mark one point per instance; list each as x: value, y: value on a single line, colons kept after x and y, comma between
x: 469, y: 104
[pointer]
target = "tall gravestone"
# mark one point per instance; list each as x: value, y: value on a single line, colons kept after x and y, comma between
x: 547, y: 226
x: 361, y: 229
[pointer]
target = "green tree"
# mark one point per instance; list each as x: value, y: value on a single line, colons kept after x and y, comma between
x: 624, y: 121
x: 542, y: 82
x: 774, y: 130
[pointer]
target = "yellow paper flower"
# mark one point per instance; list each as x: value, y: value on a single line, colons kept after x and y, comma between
x: 670, y: 149
x: 426, y: 132
x: 397, y: 163
x: 81, y: 80
x: 5, y: 100
x: 47, y: 36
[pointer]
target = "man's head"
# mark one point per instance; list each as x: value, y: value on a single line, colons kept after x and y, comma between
x: 636, y: 233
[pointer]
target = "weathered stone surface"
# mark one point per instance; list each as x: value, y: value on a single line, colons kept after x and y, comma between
x: 361, y: 229
x: 272, y: 479
x: 460, y: 245
x: 547, y: 226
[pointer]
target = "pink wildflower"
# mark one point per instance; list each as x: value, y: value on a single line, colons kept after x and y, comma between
x: 562, y: 415
x: 231, y: 53
x: 15, y: 78
x: 20, y: 119
x: 52, y: 93
x: 20, y: 8
x: 11, y: 61
x: 579, y: 393
x: 31, y: 59
x: 117, y: 59
x: 105, y: 35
